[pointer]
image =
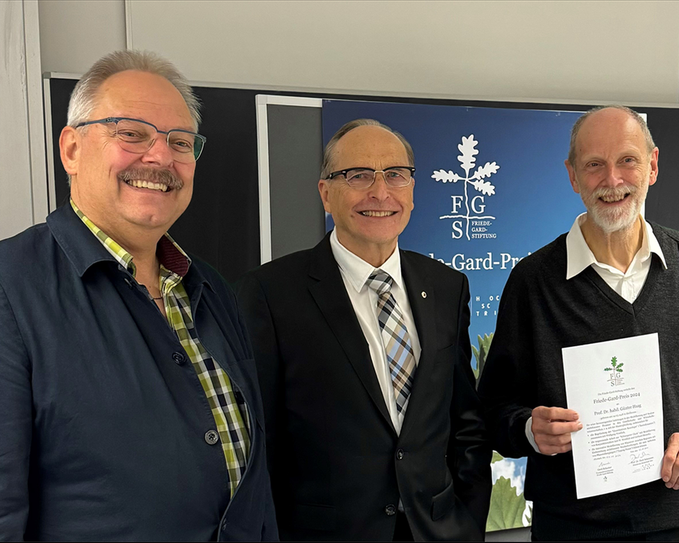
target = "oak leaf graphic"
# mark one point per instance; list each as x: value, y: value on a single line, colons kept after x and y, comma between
x: 467, y: 148
x: 446, y: 176
x: 484, y: 186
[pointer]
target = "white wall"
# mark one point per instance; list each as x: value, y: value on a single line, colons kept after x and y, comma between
x: 75, y: 33
x: 545, y: 51
x: 23, y: 181
x: 562, y: 51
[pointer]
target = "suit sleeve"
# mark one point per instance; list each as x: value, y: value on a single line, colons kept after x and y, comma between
x: 16, y: 423
x: 262, y: 332
x: 508, y: 387
x: 469, y: 450
x: 270, y: 525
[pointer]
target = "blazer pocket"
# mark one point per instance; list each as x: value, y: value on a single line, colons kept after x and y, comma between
x: 314, y: 517
x: 443, y: 502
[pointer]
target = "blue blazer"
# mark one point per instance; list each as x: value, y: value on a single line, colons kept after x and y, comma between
x: 102, y: 416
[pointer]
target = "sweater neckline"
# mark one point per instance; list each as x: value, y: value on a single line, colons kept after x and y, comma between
x: 644, y: 294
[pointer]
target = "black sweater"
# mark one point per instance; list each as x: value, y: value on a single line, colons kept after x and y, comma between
x: 540, y: 313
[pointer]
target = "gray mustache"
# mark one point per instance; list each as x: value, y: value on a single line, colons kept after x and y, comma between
x: 152, y: 175
x: 615, y: 192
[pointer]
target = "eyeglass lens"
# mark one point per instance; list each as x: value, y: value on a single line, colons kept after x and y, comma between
x: 395, y: 177
x: 138, y: 137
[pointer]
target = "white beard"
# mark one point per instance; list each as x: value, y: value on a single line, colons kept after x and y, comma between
x: 621, y: 218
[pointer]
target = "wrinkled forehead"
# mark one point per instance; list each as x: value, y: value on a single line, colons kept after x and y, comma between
x: 608, y: 126
x: 145, y: 96
x: 369, y: 145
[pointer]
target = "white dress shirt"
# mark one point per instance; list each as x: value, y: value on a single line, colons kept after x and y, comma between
x: 627, y: 284
x: 355, y: 272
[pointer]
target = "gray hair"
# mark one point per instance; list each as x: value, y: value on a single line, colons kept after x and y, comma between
x: 348, y: 127
x: 650, y: 144
x: 84, y: 97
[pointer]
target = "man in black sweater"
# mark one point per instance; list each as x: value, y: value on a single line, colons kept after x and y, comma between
x: 614, y: 275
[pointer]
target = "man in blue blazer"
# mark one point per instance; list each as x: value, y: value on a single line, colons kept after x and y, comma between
x: 374, y: 429
x: 129, y: 398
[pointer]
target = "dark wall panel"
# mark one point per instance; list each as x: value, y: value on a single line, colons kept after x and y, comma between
x: 663, y: 197
x: 295, y: 150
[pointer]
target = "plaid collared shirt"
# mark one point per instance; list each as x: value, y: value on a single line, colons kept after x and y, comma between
x: 228, y: 407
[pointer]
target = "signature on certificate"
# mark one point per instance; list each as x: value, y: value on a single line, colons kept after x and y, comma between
x: 604, y: 469
x: 642, y: 461
x: 634, y: 458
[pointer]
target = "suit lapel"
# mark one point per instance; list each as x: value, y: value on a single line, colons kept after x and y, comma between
x: 327, y: 288
x: 422, y: 299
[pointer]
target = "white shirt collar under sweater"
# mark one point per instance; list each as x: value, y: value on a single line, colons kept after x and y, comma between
x: 628, y: 284
x: 355, y: 272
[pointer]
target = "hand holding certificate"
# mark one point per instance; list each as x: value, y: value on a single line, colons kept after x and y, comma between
x: 552, y: 427
x: 616, y: 389
x: 670, y: 464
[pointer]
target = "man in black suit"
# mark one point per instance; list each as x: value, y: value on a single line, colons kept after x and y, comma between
x: 374, y: 429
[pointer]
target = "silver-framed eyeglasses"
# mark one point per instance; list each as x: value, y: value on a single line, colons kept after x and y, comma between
x: 362, y: 178
x: 137, y: 136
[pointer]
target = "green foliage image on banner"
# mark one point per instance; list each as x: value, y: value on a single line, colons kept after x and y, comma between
x: 507, y: 508
x: 481, y: 353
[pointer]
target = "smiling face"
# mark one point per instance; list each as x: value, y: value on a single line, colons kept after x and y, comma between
x: 124, y: 193
x: 613, y: 169
x: 368, y: 221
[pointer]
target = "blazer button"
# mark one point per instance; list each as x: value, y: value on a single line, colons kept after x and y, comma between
x: 211, y: 437
x: 400, y: 454
x: 390, y: 510
x: 179, y: 358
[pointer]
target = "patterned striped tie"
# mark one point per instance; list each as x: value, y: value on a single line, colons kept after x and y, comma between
x: 395, y: 337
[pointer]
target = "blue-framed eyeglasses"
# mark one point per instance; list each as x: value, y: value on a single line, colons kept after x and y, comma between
x: 362, y: 178
x: 137, y: 136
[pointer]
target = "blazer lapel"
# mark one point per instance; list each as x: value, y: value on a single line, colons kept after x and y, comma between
x: 422, y: 303
x: 327, y: 288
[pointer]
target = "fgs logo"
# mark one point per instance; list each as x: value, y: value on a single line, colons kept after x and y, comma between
x: 474, y: 206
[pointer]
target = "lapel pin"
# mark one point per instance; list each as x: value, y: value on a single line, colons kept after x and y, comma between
x: 424, y: 294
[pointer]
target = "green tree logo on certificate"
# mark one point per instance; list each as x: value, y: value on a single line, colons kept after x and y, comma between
x: 615, y: 378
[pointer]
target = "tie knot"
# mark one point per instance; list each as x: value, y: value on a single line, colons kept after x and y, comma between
x: 380, y: 281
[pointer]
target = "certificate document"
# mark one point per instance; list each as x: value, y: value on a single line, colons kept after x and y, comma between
x: 615, y: 387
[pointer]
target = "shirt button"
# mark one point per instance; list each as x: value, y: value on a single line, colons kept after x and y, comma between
x: 179, y: 358
x: 211, y: 437
x: 390, y: 510
x: 400, y: 454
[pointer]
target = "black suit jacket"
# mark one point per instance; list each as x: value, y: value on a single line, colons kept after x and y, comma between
x: 337, y: 466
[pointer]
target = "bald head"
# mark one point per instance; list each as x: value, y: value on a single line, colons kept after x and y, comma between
x: 330, y: 151
x: 604, y: 114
